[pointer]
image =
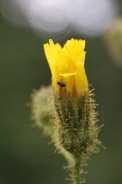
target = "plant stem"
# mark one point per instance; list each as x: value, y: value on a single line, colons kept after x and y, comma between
x: 77, y: 171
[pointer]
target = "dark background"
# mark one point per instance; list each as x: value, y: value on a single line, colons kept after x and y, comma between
x: 25, y: 155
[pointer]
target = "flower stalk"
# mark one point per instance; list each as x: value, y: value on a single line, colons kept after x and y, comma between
x: 77, y: 171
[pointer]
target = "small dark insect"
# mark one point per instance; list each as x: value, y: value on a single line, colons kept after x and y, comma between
x: 61, y: 84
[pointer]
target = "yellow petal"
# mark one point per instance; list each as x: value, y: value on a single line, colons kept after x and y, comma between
x: 67, y: 65
x: 67, y: 74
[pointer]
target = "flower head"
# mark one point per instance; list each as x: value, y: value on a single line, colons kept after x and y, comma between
x: 67, y: 68
x: 75, y: 118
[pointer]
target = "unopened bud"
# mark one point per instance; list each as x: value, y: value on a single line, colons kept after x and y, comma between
x: 40, y: 108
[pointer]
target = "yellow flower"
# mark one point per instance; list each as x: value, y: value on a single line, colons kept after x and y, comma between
x: 74, y: 113
x: 67, y: 68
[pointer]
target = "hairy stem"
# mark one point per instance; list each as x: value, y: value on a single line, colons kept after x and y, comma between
x: 77, y: 171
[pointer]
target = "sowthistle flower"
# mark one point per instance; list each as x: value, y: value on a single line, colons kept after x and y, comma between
x: 74, y: 114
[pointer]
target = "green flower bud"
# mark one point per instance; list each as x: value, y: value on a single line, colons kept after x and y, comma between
x: 76, y: 128
x: 40, y: 109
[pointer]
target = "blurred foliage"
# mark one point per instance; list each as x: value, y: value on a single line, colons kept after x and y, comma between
x: 25, y: 155
x: 113, y: 40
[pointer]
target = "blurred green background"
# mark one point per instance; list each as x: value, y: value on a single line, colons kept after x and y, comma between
x: 25, y: 155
